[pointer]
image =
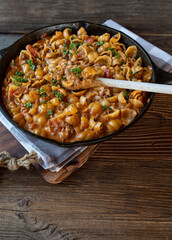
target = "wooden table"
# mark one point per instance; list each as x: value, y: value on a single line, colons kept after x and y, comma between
x: 124, y: 191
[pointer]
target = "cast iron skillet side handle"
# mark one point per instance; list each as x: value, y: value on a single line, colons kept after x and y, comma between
x: 3, y: 51
x: 162, y: 76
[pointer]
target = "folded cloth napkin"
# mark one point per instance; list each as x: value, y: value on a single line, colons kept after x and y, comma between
x: 50, y: 155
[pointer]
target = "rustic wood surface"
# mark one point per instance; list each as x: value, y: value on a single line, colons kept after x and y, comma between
x: 124, y: 191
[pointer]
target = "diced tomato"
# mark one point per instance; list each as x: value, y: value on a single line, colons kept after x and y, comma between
x: 34, y: 125
x: 89, y: 40
x: 18, y: 91
x: 107, y: 73
x: 11, y: 95
x: 32, y: 50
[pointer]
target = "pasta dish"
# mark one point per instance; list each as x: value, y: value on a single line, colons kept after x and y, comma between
x: 35, y: 86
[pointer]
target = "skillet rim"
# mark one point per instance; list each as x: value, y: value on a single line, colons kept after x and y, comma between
x: 93, y: 141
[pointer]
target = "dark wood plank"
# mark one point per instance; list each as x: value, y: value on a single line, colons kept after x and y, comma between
x: 139, y: 16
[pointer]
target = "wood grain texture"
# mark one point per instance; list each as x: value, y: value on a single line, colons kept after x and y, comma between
x: 140, y: 16
x: 124, y: 191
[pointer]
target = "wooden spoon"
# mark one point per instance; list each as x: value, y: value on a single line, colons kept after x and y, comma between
x: 124, y: 84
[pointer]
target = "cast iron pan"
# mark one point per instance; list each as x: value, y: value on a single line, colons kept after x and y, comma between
x: 159, y: 76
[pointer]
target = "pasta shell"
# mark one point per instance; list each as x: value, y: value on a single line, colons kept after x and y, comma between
x: 131, y: 51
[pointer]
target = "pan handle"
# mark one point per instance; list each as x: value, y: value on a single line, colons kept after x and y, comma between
x: 162, y: 76
x: 3, y: 51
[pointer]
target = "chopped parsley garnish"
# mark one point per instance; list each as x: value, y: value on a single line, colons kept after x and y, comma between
x: 13, y: 63
x: 19, y: 73
x: 89, y: 44
x: 64, y: 78
x: 70, y: 30
x: 125, y: 94
x: 44, y: 62
x: 75, y: 45
x: 42, y: 89
x: 20, y: 79
x: 43, y: 101
x: 32, y: 66
x: 58, y: 95
x: 113, y: 52
x: 67, y: 103
x: 117, y: 54
x: 50, y: 112
x: 52, y: 72
x: 65, y: 45
x: 16, y: 84
x: 54, y: 82
x: 65, y: 51
x: 28, y: 104
x: 72, y: 37
x: 100, y: 43
x: 38, y: 90
x: 104, y: 107
x: 77, y: 70
x: 136, y: 72
x: 110, y: 108
x: 44, y: 94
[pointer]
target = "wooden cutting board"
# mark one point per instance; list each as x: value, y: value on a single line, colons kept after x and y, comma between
x: 77, y: 162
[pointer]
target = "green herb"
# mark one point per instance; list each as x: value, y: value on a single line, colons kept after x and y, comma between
x: 113, y: 52
x: 64, y: 78
x: 67, y: 103
x: 89, y: 44
x: 70, y: 54
x: 32, y: 66
x: 42, y: 89
x: 72, y: 45
x: 121, y: 68
x: 77, y: 70
x: 16, y: 84
x: 58, y: 95
x: 44, y: 82
x: 100, y: 43
x: 38, y: 91
x: 44, y: 94
x: 13, y: 64
x: 20, y: 79
x: 110, y: 108
x: 38, y: 58
x: 52, y: 72
x: 104, y: 107
x: 50, y: 112
x: 43, y: 101
x: 75, y: 45
x: 130, y: 72
x: 72, y: 37
x: 125, y: 94
x: 136, y: 72
x: 70, y: 30
x: 54, y: 82
x: 65, y: 45
x: 44, y: 62
x: 73, y: 70
x: 28, y: 104
x: 117, y: 54
x: 65, y: 51
x: 19, y: 73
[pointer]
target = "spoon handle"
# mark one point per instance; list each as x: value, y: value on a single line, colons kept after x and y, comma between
x: 142, y: 86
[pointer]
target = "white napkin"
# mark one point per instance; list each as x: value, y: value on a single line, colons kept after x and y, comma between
x: 50, y: 155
